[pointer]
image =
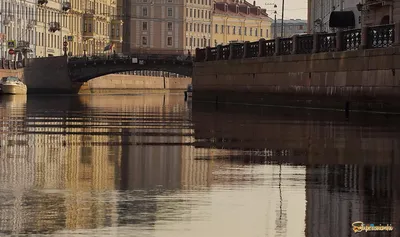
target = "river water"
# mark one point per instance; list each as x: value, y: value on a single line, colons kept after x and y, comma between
x: 155, y: 165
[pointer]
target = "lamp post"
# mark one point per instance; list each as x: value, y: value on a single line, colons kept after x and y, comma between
x: 283, y: 10
x: 275, y: 25
x: 275, y: 12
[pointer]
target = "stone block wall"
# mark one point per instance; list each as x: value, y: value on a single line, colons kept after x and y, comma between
x: 121, y: 82
x: 366, y: 79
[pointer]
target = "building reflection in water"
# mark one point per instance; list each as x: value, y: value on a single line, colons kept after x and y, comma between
x: 350, y: 164
x: 138, y: 165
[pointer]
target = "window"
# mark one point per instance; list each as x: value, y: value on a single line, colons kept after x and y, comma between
x: 144, y: 11
x: 222, y: 29
x: 169, y: 41
x: 198, y: 27
x: 191, y: 26
x: 169, y: 11
x: 300, y: 27
x: 144, y: 26
x: 251, y: 31
x: 240, y: 30
x: 228, y: 28
x: 209, y: 42
x: 209, y: 28
x: 198, y: 42
x: 169, y: 0
x: 255, y: 32
x: 186, y: 42
x: 202, y: 2
x: 90, y: 27
x: 187, y: 12
x: 216, y: 28
x: 245, y: 31
x: 266, y: 33
x: 169, y: 24
x: 202, y: 28
x: 144, y: 40
x: 194, y: 13
x: 261, y: 31
x: 187, y: 26
x: 191, y: 12
x: 191, y: 41
x: 234, y: 30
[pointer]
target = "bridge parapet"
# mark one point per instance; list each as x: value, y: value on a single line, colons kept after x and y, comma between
x: 350, y: 40
x: 85, y: 68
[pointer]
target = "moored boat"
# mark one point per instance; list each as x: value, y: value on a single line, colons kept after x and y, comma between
x: 13, y: 86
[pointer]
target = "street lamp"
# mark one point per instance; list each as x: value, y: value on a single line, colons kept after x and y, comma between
x: 283, y: 10
x: 275, y: 12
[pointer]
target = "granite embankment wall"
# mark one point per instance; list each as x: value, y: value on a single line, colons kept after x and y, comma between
x: 134, y: 83
x: 363, y: 80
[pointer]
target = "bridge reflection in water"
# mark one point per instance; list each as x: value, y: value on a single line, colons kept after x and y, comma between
x: 152, y: 165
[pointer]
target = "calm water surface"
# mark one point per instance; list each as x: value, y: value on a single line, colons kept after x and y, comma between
x: 155, y: 165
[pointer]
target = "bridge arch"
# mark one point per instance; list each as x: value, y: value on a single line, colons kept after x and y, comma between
x: 85, y: 70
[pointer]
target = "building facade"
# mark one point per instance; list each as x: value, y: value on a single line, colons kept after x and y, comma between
x: 39, y: 28
x: 319, y: 12
x: 380, y: 12
x: 239, y: 21
x: 51, y: 27
x: 102, y: 26
x: 198, y: 16
x: 17, y: 26
x: 290, y: 27
x: 154, y: 26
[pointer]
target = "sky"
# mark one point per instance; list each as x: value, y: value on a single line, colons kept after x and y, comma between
x: 294, y: 9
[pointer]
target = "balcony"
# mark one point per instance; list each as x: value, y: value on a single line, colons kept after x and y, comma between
x: 31, y: 24
x: 89, y: 11
x: 66, y: 6
x: 43, y: 2
x: 54, y: 26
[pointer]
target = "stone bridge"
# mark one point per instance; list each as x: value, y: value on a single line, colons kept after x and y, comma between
x: 86, y: 68
x: 67, y: 75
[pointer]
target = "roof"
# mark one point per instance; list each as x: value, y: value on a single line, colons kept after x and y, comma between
x: 245, y: 9
x: 291, y: 21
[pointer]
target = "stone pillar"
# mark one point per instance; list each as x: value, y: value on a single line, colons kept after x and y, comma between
x: 397, y: 33
x: 364, y: 37
x: 277, y: 43
x: 295, y: 44
x: 231, y: 51
x: 208, y: 54
x: 246, y: 49
x: 315, y: 43
x: 198, y: 55
x: 261, y: 48
x: 339, y: 40
x: 219, y: 52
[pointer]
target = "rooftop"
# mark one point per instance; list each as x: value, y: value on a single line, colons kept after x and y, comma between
x: 240, y: 8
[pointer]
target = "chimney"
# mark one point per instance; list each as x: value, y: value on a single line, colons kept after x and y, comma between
x: 254, y: 3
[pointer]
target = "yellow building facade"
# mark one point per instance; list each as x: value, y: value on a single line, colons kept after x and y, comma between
x: 239, y: 21
x: 87, y: 26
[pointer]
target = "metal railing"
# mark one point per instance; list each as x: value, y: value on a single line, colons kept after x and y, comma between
x: 350, y: 40
x: 11, y: 64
